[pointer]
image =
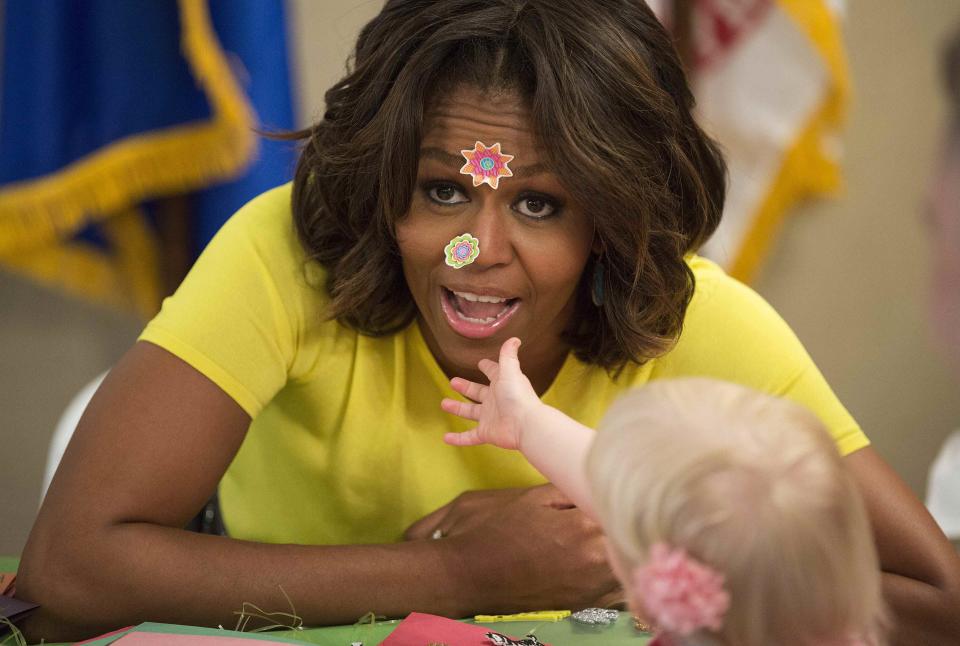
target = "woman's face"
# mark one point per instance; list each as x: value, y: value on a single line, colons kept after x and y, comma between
x: 534, y: 241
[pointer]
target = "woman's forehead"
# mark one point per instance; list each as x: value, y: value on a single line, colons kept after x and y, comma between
x: 457, y: 120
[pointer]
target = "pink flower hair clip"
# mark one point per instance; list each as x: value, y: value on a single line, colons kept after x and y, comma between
x: 680, y: 594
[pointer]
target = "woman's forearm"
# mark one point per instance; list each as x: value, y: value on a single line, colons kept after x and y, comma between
x: 921, y: 570
x: 921, y: 613
x: 135, y: 572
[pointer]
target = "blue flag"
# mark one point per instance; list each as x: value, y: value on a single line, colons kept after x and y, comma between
x: 107, y: 108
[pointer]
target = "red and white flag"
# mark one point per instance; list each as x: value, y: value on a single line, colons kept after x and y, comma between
x: 771, y: 82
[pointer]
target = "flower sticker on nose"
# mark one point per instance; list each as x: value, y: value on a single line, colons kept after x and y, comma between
x: 462, y: 250
x: 486, y: 164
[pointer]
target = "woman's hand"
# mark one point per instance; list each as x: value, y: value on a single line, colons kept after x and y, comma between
x: 499, y: 408
x: 522, y: 549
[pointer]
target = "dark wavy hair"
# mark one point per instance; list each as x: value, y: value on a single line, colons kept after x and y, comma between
x: 611, y: 109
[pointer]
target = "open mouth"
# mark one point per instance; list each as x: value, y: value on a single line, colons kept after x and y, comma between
x: 476, y: 316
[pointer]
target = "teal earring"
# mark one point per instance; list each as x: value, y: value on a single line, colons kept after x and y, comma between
x: 596, y: 290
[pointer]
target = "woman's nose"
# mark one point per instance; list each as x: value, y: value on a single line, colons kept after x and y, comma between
x: 492, y: 228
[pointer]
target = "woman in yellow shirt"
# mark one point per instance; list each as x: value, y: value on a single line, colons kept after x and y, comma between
x: 487, y: 169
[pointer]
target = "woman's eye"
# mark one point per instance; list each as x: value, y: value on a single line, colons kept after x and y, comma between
x: 535, y: 207
x: 446, y: 194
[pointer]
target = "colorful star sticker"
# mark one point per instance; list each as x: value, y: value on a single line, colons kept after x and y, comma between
x: 462, y: 250
x: 486, y: 164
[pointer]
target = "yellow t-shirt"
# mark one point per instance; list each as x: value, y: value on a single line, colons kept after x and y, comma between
x: 345, y: 446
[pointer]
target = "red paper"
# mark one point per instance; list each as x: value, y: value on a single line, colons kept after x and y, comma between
x: 419, y: 629
x: 117, y: 632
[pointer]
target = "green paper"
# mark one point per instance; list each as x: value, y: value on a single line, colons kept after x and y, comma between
x: 561, y: 633
x: 172, y: 629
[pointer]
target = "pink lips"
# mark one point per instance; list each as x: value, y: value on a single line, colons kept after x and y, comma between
x: 471, y: 329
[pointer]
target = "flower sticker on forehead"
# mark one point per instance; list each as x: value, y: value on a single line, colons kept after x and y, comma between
x: 486, y: 164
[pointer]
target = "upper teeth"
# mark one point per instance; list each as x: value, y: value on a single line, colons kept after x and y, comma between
x: 467, y: 296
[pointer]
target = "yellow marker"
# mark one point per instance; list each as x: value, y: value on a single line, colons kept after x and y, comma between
x: 541, y: 615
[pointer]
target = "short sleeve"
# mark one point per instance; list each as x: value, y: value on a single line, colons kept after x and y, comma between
x: 731, y: 333
x: 237, y: 315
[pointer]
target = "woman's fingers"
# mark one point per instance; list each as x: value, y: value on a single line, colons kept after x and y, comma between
x: 469, y: 389
x: 461, y: 409
x: 425, y: 527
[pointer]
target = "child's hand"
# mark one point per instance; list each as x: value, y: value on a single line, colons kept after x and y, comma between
x: 501, y: 407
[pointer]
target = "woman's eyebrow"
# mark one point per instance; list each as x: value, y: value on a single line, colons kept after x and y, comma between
x: 457, y: 161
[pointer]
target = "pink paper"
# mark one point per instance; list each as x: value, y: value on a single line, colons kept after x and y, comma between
x: 419, y: 629
x: 104, y: 636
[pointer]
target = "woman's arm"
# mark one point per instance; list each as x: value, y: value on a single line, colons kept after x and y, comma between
x: 921, y: 580
x: 108, y: 550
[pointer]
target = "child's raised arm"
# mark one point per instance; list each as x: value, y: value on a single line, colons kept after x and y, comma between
x: 510, y: 415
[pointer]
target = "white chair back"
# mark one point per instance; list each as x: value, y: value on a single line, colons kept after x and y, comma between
x: 64, y: 431
x: 943, y: 487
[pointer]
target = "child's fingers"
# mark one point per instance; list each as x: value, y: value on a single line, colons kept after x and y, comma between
x: 489, y: 368
x: 467, y: 438
x: 470, y: 389
x: 461, y: 409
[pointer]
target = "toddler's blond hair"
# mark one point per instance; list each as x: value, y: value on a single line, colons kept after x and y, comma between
x: 751, y: 485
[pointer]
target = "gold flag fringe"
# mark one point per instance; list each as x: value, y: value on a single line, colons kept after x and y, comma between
x: 169, y: 161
